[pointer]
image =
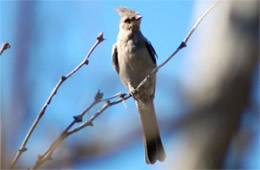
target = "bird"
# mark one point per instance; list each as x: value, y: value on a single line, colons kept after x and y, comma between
x: 133, y: 58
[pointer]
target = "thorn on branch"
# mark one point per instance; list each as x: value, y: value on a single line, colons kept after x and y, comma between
x: 78, y: 118
x: 99, y: 96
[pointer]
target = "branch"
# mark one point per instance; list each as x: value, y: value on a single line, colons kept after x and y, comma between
x: 48, y: 101
x: 107, y: 104
x: 4, y: 46
x: 182, y: 45
x: 118, y: 98
x: 67, y: 132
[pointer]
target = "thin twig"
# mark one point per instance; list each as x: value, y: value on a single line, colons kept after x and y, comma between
x: 48, y: 101
x: 200, y: 19
x: 107, y: 104
x: 122, y: 97
x: 4, y: 46
x: 181, y: 46
x: 67, y: 132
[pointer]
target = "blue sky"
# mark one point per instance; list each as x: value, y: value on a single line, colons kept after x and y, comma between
x: 50, y: 38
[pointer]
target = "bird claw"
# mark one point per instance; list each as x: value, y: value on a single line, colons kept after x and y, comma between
x: 132, y: 90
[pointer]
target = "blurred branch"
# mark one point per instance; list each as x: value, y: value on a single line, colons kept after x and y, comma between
x: 48, y: 101
x: 120, y: 97
x: 4, y: 46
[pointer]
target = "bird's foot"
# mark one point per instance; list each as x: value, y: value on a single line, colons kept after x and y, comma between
x: 132, y: 90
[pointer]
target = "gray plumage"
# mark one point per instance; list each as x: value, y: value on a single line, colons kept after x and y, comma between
x: 134, y: 58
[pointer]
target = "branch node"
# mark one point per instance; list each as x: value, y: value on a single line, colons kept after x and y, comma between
x: 63, y: 78
x: 182, y: 45
x: 108, y: 102
x: 122, y: 95
x: 78, y: 118
x: 50, y: 100
x: 86, y: 62
x: 4, y: 46
x: 23, y: 149
x: 91, y: 123
x: 99, y: 96
x: 100, y: 37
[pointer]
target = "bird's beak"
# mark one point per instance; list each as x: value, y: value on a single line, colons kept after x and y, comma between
x: 138, y: 17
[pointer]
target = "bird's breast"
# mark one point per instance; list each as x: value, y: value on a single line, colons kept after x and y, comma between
x: 133, y: 60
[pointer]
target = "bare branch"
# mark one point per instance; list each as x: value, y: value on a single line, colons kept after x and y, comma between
x: 107, y: 104
x: 182, y: 45
x: 4, y: 46
x: 199, y: 21
x: 48, y: 101
x: 67, y: 132
x: 86, y: 60
x: 120, y: 97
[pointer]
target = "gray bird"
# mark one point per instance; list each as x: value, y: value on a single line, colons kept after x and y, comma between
x: 134, y: 58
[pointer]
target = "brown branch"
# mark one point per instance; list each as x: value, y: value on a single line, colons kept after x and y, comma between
x: 48, y: 101
x: 120, y: 97
x: 4, y: 46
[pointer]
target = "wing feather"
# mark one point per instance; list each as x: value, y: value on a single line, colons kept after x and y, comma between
x: 115, y: 58
x: 151, y: 51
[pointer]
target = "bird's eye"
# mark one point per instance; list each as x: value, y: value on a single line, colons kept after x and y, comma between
x: 127, y: 20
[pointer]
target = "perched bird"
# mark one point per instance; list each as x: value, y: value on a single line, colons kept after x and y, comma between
x: 134, y: 58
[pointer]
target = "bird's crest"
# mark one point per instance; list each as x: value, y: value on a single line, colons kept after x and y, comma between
x: 124, y: 11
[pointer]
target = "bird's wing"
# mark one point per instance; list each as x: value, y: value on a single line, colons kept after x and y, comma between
x: 115, y: 58
x: 151, y: 51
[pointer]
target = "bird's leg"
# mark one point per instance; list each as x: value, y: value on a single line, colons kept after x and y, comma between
x: 132, y: 90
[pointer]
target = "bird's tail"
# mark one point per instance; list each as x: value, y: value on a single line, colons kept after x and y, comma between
x: 153, y: 145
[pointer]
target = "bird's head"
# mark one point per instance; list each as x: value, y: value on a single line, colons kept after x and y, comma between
x: 130, y: 19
